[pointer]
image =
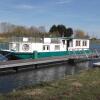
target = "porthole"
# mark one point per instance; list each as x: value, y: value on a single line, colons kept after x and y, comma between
x: 25, y: 47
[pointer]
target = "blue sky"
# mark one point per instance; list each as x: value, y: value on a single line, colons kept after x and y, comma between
x: 78, y: 14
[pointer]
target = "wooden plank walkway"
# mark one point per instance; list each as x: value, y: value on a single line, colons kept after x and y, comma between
x: 26, y: 62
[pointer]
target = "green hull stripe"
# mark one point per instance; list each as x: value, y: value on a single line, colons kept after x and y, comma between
x: 49, y: 54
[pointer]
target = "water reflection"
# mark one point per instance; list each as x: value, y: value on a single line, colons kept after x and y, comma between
x: 10, y: 82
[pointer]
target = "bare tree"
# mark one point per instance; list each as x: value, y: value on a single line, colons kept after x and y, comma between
x: 42, y: 29
x: 79, y: 33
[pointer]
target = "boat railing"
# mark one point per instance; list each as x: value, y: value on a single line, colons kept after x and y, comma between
x: 97, y: 52
x: 91, y: 53
x: 5, y: 56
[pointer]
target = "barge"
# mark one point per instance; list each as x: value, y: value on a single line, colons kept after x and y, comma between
x: 26, y: 48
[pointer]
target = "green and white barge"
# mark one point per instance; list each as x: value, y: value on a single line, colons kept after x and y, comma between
x: 45, y: 47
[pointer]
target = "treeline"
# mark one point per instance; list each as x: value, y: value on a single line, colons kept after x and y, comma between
x: 61, y: 31
x: 8, y: 30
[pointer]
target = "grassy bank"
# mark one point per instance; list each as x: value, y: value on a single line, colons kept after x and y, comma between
x: 85, y: 86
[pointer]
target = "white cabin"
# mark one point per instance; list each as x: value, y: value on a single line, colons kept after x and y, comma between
x: 79, y: 44
x: 49, y: 45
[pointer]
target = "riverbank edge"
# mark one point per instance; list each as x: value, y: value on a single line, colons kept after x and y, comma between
x: 83, y: 86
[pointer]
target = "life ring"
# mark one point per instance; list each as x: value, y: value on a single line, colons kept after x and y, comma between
x: 26, y: 47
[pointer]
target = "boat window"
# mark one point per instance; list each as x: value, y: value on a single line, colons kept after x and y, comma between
x: 55, y: 40
x: 71, y: 44
x: 63, y: 41
x: 43, y: 47
x: 46, y: 47
x: 57, y: 47
x: 78, y: 43
x: 84, y: 43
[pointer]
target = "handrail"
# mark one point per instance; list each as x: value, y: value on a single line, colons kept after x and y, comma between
x: 75, y: 55
x: 7, y: 54
x: 97, y: 53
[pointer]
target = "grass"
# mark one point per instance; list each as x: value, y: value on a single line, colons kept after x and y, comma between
x: 83, y: 86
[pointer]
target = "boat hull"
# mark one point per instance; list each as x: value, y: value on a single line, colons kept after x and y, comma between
x: 35, y: 54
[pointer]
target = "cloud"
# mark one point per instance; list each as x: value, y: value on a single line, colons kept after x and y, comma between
x: 36, y: 9
x: 63, y: 2
x: 25, y: 7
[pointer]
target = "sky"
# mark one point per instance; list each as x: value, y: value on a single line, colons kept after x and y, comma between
x: 78, y: 14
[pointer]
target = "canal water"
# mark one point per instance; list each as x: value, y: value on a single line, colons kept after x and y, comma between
x: 11, y: 82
